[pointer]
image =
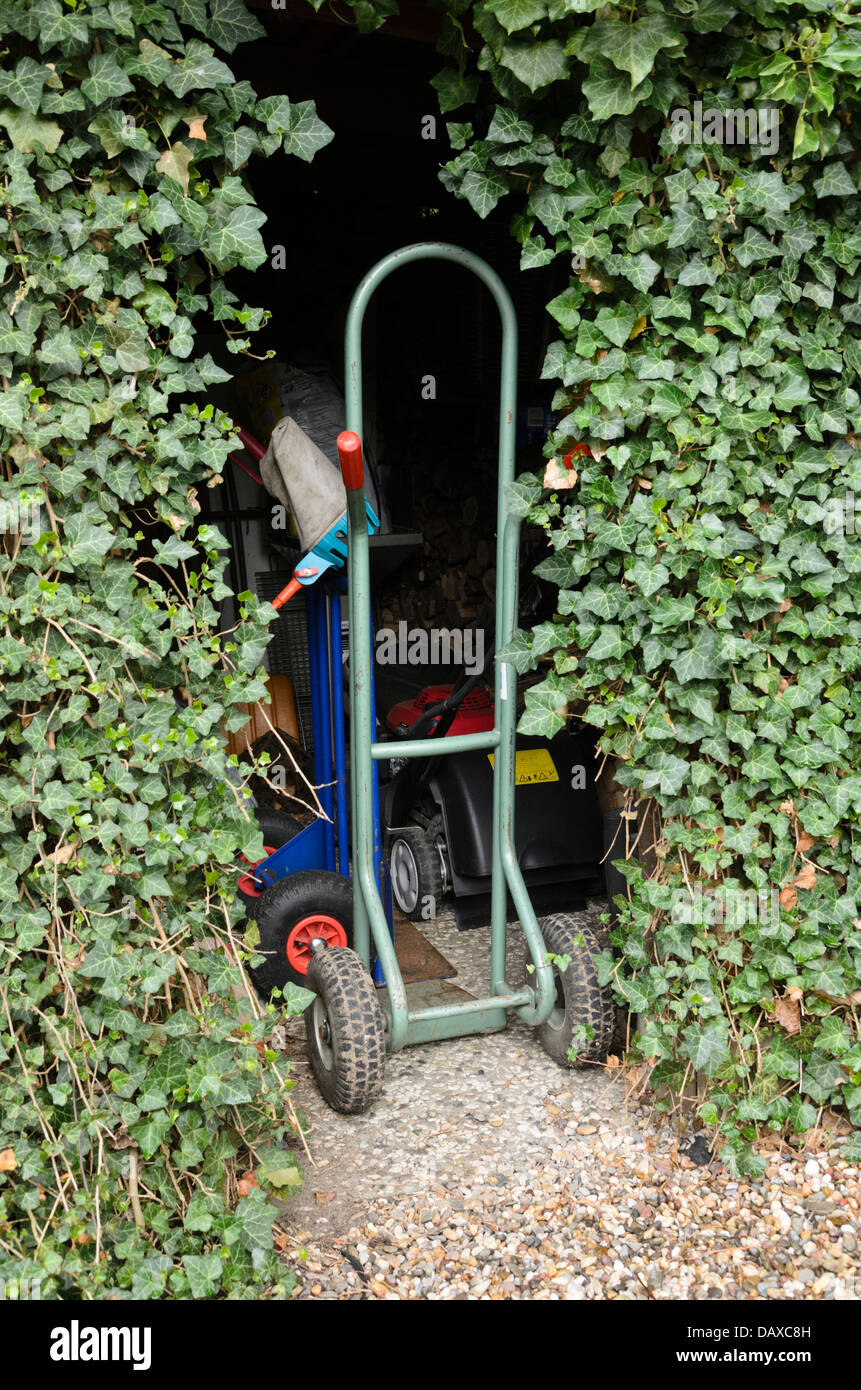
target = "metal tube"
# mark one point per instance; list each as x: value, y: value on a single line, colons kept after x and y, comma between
x: 513, y: 999
x: 368, y: 911
x: 342, y: 824
x: 434, y: 747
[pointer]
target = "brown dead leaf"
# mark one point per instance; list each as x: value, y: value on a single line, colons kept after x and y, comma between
x: 788, y: 1014
x: 793, y: 992
x: 557, y: 477
x: 323, y: 1198
x: 645, y: 484
x: 787, y: 807
x: 806, y: 878
x: 783, y: 684
x: 804, y: 842
x: 785, y: 606
x: 246, y: 1182
x: 195, y: 121
x: 280, y: 1240
x: 788, y: 897
x: 174, y: 164
x: 8, y: 1161
x: 62, y: 855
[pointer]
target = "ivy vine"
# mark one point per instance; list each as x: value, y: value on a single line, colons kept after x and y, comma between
x: 144, y: 1116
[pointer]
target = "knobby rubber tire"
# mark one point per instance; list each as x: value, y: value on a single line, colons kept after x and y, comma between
x: 582, y: 999
x: 350, y: 1065
x: 281, y: 907
x: 426, y: 859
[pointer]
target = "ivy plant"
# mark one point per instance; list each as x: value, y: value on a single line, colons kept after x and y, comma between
x: 693, y: 166
x: 144, y: 1118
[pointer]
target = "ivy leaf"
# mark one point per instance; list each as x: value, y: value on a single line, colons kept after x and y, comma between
x: 305, y: 133
x: 239, y: 145
x: 106, y: 80
x: 173, y: 550
x: 483, y: 191
x: 640, y: 270
x: 539, y: 722
x: 631, y: 47
x: 666, y: 772
x: 28, y: 132
x: 237, y: 241
x: 707, y: 1045
x: 197, y: 70
x: 231, y: 23
x: 454, y: 89
x: 835, y: 182
x: 609, y: 645
x: 701, y: 660
x: 648, y: 577
x: 23, y: 86
x: 609, y: 94
x: 11, y: 411
x: 517, y: 14
x: 518, y: 652
x: 150, y: 1132
x: 509, y: 128
x: 535, y: 64
x: 174, y: 163
x: 204, y: 1274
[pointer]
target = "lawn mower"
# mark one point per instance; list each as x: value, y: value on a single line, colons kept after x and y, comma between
x: 438, y: 812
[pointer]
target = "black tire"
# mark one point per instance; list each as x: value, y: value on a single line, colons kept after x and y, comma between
x: 579, y: 997
x: 276, y: 828
x: 344, y: 1029
x: 416, y: 873
x: 284, y: 907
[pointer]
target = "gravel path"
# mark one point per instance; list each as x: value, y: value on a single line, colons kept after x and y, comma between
x: 486, y: 1171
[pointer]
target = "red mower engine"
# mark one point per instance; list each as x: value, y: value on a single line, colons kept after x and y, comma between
x: 475, y: 715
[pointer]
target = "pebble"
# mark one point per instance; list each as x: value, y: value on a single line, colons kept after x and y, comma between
x: 485, y: 1172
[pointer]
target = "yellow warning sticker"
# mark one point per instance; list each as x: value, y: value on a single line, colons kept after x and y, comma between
x: 532, y: 765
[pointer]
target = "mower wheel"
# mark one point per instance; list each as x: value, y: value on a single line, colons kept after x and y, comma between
x: 580, y: 1000
x: 344, y: 1029
x: 414, y: 865
x: 289, y: 915
x: 276, y: 828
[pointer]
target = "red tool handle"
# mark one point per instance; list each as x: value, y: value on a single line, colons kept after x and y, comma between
x: 286, y: 594
x: 254, y: 447
x: 350, y: 454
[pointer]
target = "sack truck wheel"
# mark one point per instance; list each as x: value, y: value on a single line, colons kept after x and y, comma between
x: 579, y: 997
x: 344, y: 1028
x: 289, y: 915
x: 276, y: 828
x: 416, y: 872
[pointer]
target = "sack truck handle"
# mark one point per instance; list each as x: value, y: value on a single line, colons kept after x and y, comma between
x: 534, y: 1002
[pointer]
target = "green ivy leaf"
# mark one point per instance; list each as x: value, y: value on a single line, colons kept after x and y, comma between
x: 517, y: 14
x: 536, y: 65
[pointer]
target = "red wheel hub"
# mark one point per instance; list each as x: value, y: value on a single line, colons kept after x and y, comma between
x: 299, y: 939
x: 248, y: 884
